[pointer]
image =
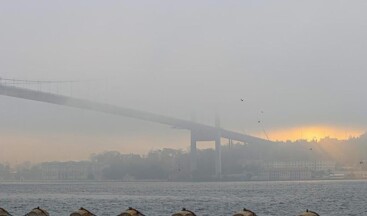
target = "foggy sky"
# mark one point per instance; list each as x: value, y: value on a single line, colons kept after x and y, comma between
x: 300, y: 62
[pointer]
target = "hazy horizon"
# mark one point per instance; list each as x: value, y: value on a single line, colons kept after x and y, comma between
x: 299, y: 66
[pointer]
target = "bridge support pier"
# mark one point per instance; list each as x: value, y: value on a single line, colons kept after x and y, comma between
x: 218, y: 158
x: 193, y: 154
x: 216, y: 137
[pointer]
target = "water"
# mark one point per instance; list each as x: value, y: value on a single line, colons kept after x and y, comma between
x: 164, y: 198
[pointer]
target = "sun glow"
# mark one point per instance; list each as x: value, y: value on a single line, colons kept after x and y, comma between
x: 311, y: 133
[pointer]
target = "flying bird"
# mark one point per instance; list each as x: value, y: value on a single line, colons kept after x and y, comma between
x: 242, y: 99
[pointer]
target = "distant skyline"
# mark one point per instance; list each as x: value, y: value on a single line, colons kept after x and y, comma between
x: 299, y: 66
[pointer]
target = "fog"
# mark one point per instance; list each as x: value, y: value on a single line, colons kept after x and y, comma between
x: 295, y: 64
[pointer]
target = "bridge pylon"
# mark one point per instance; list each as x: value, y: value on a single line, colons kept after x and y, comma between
x: 213, y: 135
x: 218, y: 157
x: 193, y: 154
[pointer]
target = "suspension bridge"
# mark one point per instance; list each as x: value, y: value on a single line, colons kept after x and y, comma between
x: 35, y: 90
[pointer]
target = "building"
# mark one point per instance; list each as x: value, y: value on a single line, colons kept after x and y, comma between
x: 298, y: 170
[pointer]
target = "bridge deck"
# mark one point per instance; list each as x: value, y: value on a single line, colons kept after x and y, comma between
x: 203, y: 132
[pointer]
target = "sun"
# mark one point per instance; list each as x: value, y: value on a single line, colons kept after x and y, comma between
x: 311, y: 133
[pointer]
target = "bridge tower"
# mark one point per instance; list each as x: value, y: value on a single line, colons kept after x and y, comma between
x: 218, y: 149
x: 207, y: 135
x: 218, y: 156
x: 193, y: 153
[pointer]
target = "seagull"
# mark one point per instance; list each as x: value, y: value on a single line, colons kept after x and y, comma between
x: 242, y: 99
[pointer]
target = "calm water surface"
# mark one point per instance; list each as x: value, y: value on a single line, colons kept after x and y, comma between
x: 162, y: 198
